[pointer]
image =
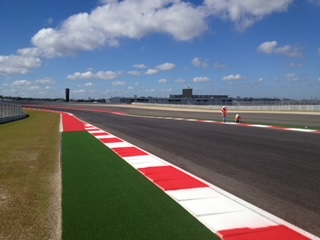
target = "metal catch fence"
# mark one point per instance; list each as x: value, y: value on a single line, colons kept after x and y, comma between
x: 10, y: 112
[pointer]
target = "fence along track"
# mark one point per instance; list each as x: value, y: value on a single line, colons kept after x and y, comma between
x: 10, y: 112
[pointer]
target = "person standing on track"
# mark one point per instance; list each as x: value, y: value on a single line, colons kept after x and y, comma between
x: 224, y: 114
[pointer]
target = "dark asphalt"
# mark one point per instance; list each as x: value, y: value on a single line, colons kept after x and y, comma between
x: 278, y: 171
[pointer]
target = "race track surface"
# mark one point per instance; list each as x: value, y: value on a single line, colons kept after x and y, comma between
x: 278, y: 171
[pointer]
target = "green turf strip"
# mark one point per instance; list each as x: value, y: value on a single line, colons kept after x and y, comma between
x: 105, y: 198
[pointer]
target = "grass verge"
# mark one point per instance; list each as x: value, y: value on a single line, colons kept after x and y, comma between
x: 29, y: 178
x: 105, y: 198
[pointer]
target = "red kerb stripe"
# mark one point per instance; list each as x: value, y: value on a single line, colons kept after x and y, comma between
x: 129, y: 152
x: 110, y: 140
x: 100, y: 133
x: 267, y: 233
x: 171, y: 178
x: 72, y: 124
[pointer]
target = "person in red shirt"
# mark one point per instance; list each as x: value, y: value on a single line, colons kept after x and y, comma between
x: 224, y: 114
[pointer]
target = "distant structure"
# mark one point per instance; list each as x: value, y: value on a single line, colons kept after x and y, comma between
x: 186, y: 97
x: 187, y: 93
x: 67, y: 94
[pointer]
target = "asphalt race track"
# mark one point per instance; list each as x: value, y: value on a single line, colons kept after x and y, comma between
x: 276, y: 170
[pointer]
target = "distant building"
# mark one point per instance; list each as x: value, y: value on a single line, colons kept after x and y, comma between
x: 187, y: 93
x: 187, y: 97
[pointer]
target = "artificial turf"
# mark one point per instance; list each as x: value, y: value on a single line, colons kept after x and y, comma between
x: 105, y: 198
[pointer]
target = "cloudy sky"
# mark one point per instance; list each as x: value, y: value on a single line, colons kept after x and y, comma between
x: 109, y: 48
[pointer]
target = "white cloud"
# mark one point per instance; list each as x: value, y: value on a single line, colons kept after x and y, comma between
x: 129, y: 18
x: 16, y: 64
x: 272, y: 48
x: 50, y: 20
x: 26, y: 88
x: 220, y: 66
x: 45, y: 81
x: 180, y: 80
x: 166, y: 66
x: 163, y: 81
x: 152, y: 71
x: 113, y: 20
x: 292, y: 77
x: 100, y: 75
x: 316, y: 2
x: 134, y: 73
x: 21, y: 83
x: 294, y: 65
x: 201, y: 79
x: 140, y: 66
x: 150, y: 90
x: 89, y: 84
x: 245, y: 13
x: 199, y: 63
x: 34, y: 88
x: 268, y: 47
x: 118, y: 83
x: 233, y: 77
x: 79, y: 91
x: 29, y: 52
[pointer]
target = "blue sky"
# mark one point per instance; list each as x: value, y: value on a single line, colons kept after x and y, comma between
x: 109, y: 48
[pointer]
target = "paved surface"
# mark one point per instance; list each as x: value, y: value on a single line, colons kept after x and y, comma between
x: 309, y: 119
x: 278, y: 171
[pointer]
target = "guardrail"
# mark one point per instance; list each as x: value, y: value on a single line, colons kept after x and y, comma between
x: 10, y: 112
x: 287, y: 108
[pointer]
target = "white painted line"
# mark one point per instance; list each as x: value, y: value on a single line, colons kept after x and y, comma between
x: 234, y: 220
x: 144, y: 161
x: 258, y: 125
x: 178, y: 119
x: 61, y: 124
x: 193, y: 193
x: 138, y: 165
x: 211, y: 206
x: 96, y: 131
x: 301, y: 130
x: 91, y: 128
x: 104, y: 136
x: 118, y: 145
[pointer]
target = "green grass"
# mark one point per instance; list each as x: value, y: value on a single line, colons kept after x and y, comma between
x: 29, y: 178
x: 105, y: 198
